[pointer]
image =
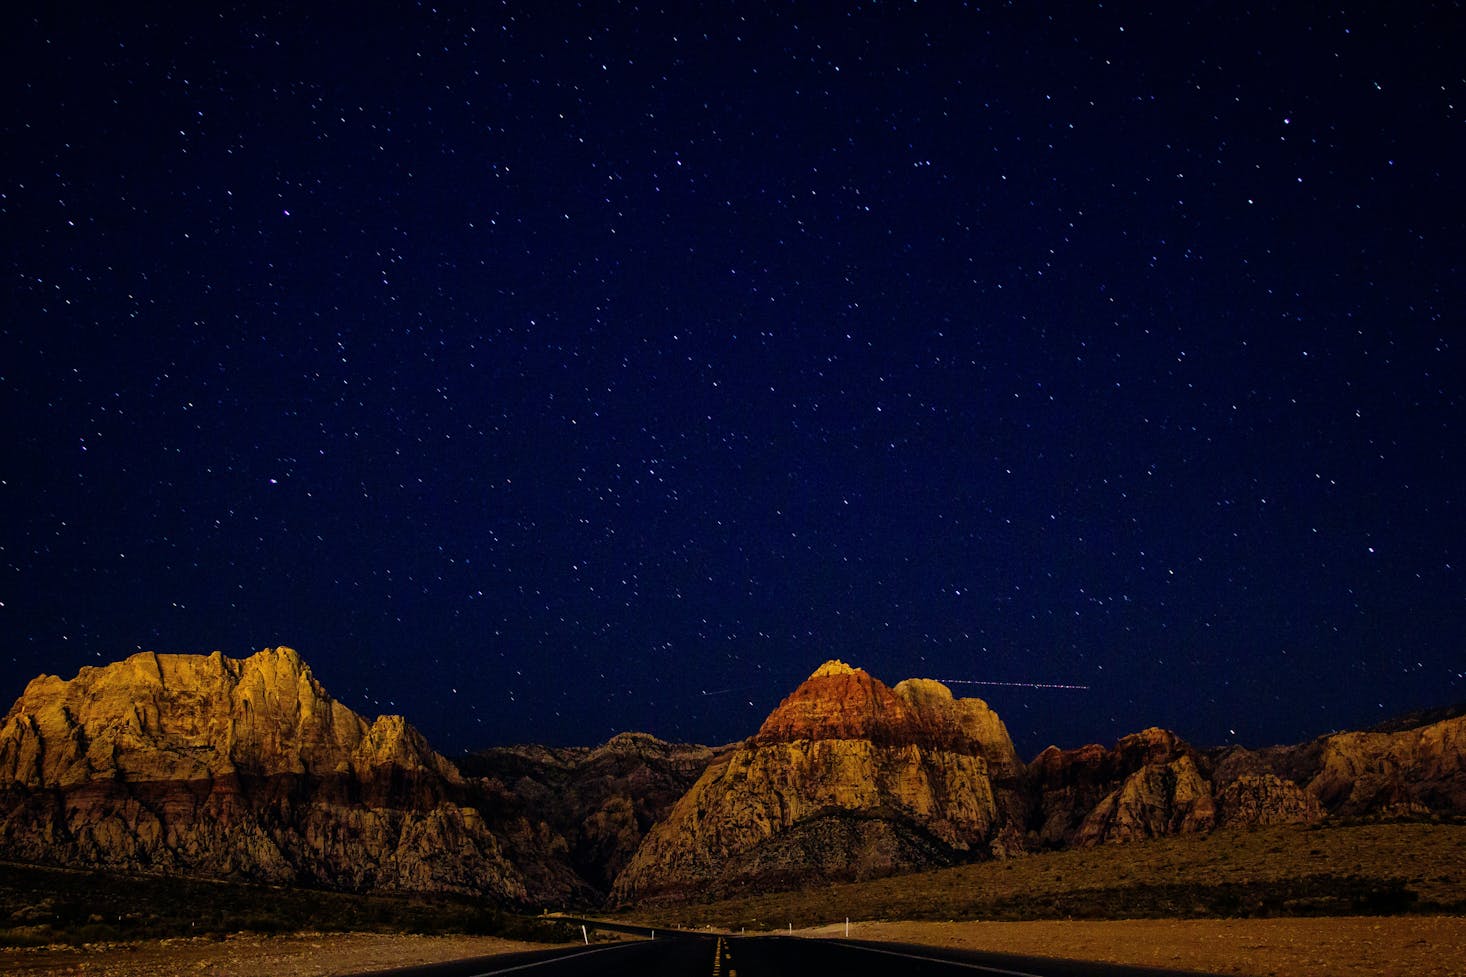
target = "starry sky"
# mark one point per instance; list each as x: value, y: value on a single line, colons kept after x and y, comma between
x: 540, y: 371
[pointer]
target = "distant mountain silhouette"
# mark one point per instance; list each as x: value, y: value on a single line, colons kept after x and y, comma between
x: 1418, y: 718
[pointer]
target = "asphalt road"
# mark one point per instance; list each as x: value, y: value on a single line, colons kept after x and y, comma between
x: 767, y: 956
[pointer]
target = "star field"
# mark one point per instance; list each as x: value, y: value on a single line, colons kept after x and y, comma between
x: 541, y: 371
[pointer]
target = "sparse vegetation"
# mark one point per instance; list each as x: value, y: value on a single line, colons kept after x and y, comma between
x: 1376, y: 869
x: 42, y: 906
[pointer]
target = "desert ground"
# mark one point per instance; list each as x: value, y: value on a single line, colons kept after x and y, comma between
x: 1336, y: 946
x: 249, y: 955
x: 1352, y: 946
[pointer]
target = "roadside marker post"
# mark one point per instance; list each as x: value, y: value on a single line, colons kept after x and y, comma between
x: 847, y: 927
x: 584, y: 935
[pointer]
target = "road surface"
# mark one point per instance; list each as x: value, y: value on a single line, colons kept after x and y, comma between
x: 767, y: 956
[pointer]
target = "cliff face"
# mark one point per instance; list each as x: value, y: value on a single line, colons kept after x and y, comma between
x: 212, y: 766
x: 850, y: 779
x: 240, y: 768
x: 1153, y: 784
x: 601, y: 801
x: 188, y: 717
x: 847, y: 778
x: 1400, y: 773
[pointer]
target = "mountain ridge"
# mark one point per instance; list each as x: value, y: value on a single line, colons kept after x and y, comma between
x: 247, y: 768
x: 845, y: 764
x: 244, y: 768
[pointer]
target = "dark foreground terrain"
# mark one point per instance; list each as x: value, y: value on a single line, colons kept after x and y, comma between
x: 42, y: 906
x: 1382, y: 898
x: 1283, y: 871
x: 1368, y: 869
x: 694, y: 956
x: 1347, y: 946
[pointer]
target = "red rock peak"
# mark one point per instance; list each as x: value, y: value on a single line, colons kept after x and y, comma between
x: 837, y: 702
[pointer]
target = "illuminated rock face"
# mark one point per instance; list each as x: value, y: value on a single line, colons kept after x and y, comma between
x: 850, y: 779
x: 1153, y: 784
x: 243, y: 769
x: 247, y: 769
x: 1256, y: 800
x: 1401, y: 772
x: 1413, y: 771
x: 839, y: 702
x: 847, y: 778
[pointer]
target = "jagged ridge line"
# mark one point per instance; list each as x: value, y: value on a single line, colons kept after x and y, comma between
x: 1015, y: 685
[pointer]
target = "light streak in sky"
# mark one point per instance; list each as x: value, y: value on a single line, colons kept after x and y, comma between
x: 1012, y: 685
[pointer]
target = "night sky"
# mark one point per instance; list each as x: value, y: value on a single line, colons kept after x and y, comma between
x: 544, y: 371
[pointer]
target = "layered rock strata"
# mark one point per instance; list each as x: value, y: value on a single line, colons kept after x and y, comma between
x: 846, y: 779
x: 1153, y: 784
x: 1150, y: 785
x: 213, y: 766
x: 1405, y: 772
x: 850, y: 779
x: 247, y: 769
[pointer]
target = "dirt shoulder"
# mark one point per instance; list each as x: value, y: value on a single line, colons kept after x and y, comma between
x: 1347, y: 946
x: 248, y: 955
x: 1338, y: 946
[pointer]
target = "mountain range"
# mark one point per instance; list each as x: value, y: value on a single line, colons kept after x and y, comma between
x: 214, y: 767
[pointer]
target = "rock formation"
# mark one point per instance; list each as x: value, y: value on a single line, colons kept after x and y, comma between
x: 847, y: 778
x: 1153, y: 784
x: 601, y: 800
x: 850, y: 779
x: 1255, y: 800
x: 247, y: 769
x: 1150, y: 785
x: 1404, y: 772
x: 243, y: 769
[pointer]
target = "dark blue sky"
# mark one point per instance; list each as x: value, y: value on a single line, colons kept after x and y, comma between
x: 543, y: 371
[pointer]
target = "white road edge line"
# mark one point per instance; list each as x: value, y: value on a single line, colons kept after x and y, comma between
x: 955, y: 963
x: 562, y: 957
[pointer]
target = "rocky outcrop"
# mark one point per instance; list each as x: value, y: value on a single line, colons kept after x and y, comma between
x: 220, y: 767
x: 1257, y: 799
x: 247, y: 769
x: 850, y: 779
x: 1410, y: 772
x: 901, y: 778
x: 601, y: 801
x: 1402, y: 772
x: 1153, y: 784
x: 1156, y: 801
x: 1150, y: 785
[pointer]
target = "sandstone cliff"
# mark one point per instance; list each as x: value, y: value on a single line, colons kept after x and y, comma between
x: 1403, y: 772
x: 850, y: 779
x: 247, y: 769
x: 1154, y: 784
x: 1150, y: 785
x: 847, y: 778
x: 210, y: 766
